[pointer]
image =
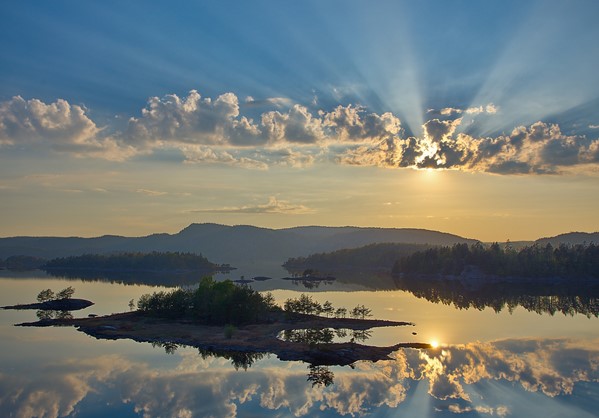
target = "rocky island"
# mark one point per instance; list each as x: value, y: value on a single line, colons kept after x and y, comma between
x: 221, y: 316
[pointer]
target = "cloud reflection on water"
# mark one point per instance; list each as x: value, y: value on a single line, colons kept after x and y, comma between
x: 459, y: 380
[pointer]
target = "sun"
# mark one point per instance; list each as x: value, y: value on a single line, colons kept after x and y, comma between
x: 435, y: 344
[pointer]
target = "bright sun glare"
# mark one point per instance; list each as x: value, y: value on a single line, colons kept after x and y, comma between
x: 435, y: 344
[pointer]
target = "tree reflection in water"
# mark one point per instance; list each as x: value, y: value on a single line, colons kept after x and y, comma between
x: 320, y: 375
x: 542, y: 298
x: 311, y: 284
x: 44, y: 314
x: 239, y: 359
x: 316, y: 336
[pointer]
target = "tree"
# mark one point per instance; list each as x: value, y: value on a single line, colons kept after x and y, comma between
x: 65, y: 293
x: 45, y: 295
x: 341, y: 312
x: 327, y: 308
x: 320, y: 375
x: 361, y: 312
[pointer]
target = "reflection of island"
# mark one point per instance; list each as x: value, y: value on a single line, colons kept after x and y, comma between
x: 516, y: 377
x: 147, y: 278
x: 253, y: 338
x: 309, y: 278
x: 239, y: 359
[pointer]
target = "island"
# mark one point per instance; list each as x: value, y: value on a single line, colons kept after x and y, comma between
x: 222, y: 316
x: 66, y: 304
x: 155, y: 261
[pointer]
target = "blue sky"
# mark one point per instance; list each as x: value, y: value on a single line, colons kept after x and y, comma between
x: 265, y: 94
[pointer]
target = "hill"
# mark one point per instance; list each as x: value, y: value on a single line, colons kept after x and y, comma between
x: 571, y: 238
x: 235, y: 245
x: 372, y: 257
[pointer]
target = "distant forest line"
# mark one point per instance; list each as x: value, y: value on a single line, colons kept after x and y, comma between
x: 535, y: 261
x: 136, y: 261
x: 373, y: 257
x: 420, y: 260
x: 127, y: 261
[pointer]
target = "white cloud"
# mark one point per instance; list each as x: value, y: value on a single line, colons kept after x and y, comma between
x: 273, y: 206
x: 213, y: 131
x: 26, y: 121
x: 197, y: 154
x: 59, y: 126
x: 540, y: 148
x: 490, y: 109
x: 151, y: 193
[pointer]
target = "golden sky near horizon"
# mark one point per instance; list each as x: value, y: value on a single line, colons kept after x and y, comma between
x: 480, y: 120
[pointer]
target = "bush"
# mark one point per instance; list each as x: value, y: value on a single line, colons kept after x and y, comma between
x: 212, y: 302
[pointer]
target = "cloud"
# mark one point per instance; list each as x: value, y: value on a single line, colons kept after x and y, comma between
x: 208, y: 386
x: 292, y: 158
x: 151, y: 193
x: 540, y: 148
x: 35, y: 121
x: 203, y: 121
x: 273, y: 206
x: 59, y: 126
x: 490, y: 109
x: 270, y: 101
x: 214, y: 131
x: 198, y: 154
x: 191, y: 119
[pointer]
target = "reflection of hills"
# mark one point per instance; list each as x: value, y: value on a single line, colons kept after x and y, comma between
x: 566, y: 298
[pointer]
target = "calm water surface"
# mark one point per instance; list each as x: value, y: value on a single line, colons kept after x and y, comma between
x: 519, y: 363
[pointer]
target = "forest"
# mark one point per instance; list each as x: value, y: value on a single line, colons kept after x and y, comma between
x: 21, y: 262
x: 371, y: 257
x: 135, y: 261
x: 212, y: 303
x: 535, y: 261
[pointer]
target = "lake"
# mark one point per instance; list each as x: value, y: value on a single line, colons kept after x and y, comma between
x: 497, y: 355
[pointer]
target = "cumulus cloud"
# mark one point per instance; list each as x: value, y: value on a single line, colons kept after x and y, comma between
x: 214, y: 131
x: 35, y: 121
x: 273, y: 206
x: 59, y: 126
x: 540, y: 148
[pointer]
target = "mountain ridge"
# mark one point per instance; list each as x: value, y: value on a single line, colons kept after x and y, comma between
x: 228, y: 243
x: 238, y: 244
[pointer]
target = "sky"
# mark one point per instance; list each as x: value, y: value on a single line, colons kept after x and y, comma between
x: 478, y: 118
